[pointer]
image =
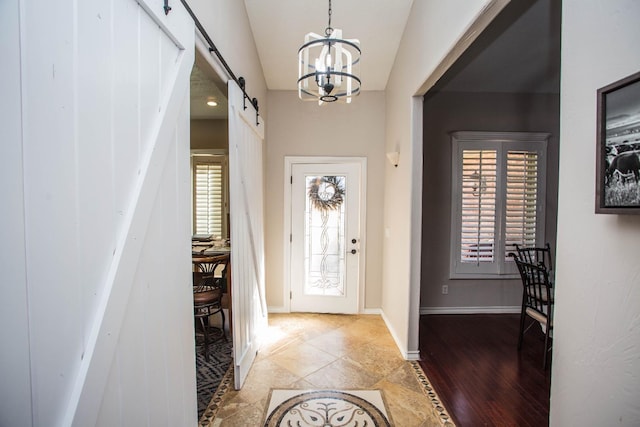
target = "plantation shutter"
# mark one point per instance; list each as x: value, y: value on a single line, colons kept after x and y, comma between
x: 478, y: 211
x: 208, y: 196
x: 497, y: 200
x: 522, y: 199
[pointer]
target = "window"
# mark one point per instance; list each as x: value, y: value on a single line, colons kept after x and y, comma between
x: 210, y: 211
x: 498, y: 194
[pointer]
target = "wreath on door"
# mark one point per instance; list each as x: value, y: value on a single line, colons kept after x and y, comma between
x: 326, y: 193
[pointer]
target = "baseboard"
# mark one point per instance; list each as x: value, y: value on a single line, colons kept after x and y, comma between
x: 471, y: 310
x: 408, y: 355
x: 413, y: 355
x: 280, y: 309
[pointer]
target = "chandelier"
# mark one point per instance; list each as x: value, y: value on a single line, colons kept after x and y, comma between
x: 327, y: 67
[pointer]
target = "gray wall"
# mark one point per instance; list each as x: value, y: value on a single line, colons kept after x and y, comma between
x: 445, y: 112
x: 209, y: 134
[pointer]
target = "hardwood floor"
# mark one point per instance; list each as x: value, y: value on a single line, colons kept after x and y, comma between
x: 476, y: 369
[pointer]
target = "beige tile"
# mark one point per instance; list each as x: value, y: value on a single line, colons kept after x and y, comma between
x: 408, y: 408
x: 264, y: 375
x: 302, y: 359
x: 377, y: 359
x: 342, y: 374
x: 338, y: 342
x: 249, y: 416
x: 405, y: 376
x: 367, y: 328
x: 302, y: 385
x: 325, y: 351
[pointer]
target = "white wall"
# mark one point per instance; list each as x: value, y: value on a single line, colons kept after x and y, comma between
x: 596, y: 348
x: 432, y: 31
x: 298, y: 128
x: 97, y: 140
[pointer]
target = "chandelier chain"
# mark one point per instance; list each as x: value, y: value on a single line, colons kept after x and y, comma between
x: 329, y: 30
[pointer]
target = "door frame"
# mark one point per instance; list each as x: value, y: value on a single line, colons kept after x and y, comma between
x: 289, y: 161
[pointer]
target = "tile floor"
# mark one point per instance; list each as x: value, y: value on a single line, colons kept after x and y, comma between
x: 323, y: 351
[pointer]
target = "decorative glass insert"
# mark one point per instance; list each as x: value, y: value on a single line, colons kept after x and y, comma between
x: 324, y: 245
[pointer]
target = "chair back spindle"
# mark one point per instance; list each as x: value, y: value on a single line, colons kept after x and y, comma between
x: 537, y: 298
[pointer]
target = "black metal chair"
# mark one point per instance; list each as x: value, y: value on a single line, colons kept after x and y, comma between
x: 536, y: 255
x: 537, y: 300
x: 209, y: 285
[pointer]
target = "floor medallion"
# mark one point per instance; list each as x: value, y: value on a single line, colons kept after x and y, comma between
x: 326, y: 408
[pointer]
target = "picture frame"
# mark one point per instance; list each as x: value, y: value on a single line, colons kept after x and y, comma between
x: 618, y: 147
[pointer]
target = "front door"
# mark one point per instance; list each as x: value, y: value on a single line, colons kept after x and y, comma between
x: 325, y: 237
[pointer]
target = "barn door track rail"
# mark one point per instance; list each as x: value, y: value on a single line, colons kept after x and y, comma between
x: 213, y: 49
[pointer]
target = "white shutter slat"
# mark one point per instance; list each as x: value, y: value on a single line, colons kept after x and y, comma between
x: 208, y: 195
x: 521, y: 199
x: 479, y: 171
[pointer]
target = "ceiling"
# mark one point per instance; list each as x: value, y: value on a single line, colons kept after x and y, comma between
x: 519, y: 52
x: 203, y: 89
x: 279, y: 27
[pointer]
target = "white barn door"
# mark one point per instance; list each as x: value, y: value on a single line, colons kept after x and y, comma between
x: 100, y: 140
x: 246, y: 202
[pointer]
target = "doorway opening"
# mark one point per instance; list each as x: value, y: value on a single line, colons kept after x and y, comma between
x: 209, y: 161
x: 507, y: 80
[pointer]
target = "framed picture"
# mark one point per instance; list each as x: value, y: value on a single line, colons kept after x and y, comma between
x: 618, y: 147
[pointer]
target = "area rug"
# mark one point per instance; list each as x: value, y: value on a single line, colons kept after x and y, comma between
x: 209, y: 374
x: 326, y: 408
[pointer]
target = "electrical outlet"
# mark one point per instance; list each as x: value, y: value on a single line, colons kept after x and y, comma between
x: 445, y: 289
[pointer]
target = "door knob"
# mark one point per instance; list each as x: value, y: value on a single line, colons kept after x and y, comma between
x: 353, y: 251
x: 353, y: 241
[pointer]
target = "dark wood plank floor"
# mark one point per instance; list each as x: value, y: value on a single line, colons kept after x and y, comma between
x: 476, y: 369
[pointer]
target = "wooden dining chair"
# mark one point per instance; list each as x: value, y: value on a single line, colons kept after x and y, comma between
x: 537, y: 301
x: 209, y: 285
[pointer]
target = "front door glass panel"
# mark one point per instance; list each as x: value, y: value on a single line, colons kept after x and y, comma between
x: 324, y: 245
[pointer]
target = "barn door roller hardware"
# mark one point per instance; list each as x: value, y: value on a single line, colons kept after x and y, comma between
x: 213, y: 49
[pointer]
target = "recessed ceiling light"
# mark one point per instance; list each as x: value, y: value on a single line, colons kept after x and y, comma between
x: 212, y: 103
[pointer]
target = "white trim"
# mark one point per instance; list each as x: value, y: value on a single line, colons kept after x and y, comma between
x: 202, y: 47
x: 471, y: 310
x: 412, y: 355
x: 283, y: 309
x: 415, y: 243
x: 476, y: 27
x: 209, y: 151
x: 289, y: 161
x: 403, y: 351
x: 280, y: 309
